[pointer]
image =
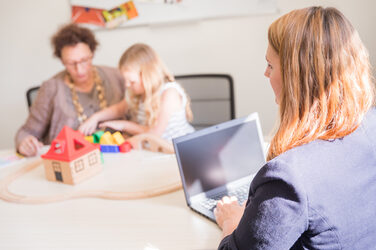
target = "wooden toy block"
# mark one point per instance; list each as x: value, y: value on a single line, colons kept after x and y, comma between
x: 152, y: 143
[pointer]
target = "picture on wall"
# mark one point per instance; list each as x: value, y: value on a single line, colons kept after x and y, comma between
x: 117, y: 13
x: 109, y: 18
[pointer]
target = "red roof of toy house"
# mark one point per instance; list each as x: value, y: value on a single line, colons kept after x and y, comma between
x: 68, y: 146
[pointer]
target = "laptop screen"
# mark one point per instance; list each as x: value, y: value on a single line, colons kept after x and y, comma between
x: 220, y: 154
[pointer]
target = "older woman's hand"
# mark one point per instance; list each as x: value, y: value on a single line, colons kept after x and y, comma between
x: 228, y: 214
x: 29, y: 146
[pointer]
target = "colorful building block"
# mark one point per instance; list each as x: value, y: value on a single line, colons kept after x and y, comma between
x: 125, y: 147
x: 97, y: 136
x: 107, y: 139
x: 109, y: 148
x: 89, y: 138
x: 118, y: 138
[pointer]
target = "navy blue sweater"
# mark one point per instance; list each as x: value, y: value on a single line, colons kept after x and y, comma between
x: 321, y: 195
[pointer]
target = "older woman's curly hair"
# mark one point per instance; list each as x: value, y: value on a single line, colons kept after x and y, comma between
x: 70, y: 35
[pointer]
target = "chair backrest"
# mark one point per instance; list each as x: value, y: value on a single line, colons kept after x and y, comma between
x: 31, y: 94
x: 212, y: 98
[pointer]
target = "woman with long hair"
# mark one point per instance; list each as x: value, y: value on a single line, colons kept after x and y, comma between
x: 318, y: 188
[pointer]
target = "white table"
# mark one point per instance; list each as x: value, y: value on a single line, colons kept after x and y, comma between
x: 162, y: 222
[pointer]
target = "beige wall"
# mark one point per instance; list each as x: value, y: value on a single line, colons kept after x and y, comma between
x: 235, y: 46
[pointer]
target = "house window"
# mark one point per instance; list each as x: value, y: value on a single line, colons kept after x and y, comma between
x: 93, y: 159
x: 79, y: 165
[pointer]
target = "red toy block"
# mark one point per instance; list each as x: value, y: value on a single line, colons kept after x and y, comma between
x: 125, y: 147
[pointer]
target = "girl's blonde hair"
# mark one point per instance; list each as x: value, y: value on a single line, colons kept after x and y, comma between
x: 326, y: 80
x: 142, y: 58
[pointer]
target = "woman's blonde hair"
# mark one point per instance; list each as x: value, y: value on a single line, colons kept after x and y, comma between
x: 142, y: 58
x: 326, y: 81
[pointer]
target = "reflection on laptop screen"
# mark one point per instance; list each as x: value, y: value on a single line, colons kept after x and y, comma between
x: 221, y: 156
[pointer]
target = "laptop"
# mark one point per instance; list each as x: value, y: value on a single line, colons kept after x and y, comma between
x: 219, y: 160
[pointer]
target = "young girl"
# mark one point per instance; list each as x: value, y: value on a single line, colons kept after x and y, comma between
x: 154, y: 101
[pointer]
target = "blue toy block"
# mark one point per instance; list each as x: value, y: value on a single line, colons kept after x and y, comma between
x: 109, y: 148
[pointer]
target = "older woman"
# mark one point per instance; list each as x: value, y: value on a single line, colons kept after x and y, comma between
x: 71, y: 96
x: 318, y: 189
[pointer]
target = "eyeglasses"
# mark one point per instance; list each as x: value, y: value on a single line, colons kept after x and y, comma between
x: 84, y: 62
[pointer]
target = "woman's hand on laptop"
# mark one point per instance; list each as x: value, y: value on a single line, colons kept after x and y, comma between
x: 228, y: 214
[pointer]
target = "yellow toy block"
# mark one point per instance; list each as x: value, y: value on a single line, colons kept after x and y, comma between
x: 107, y: 139
x: 89, y: 138
x: 118, y: 138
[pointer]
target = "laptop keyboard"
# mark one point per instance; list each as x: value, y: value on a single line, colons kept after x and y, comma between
x: 241, y: 193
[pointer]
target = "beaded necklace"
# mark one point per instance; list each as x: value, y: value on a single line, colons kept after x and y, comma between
x: 99, y: 87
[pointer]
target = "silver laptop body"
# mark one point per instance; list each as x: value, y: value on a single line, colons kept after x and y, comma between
x: 219, y: 160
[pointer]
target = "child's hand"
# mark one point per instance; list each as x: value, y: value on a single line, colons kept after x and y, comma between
x: 89, y: 126
x: 119, y: 125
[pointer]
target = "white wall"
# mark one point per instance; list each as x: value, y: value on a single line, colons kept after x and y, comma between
x: 235, y: 46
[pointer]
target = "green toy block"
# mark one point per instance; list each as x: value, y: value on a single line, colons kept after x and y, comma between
x: 97, y: 136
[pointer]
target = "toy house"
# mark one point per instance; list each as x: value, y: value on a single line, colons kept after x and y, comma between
x: 71, y: 159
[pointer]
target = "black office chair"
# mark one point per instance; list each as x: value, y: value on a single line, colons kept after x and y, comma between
x: 212, y: 98
x: 31, y: 94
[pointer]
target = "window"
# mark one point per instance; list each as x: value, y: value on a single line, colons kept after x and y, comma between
x: 79, y: 165
x: 93, y: 159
